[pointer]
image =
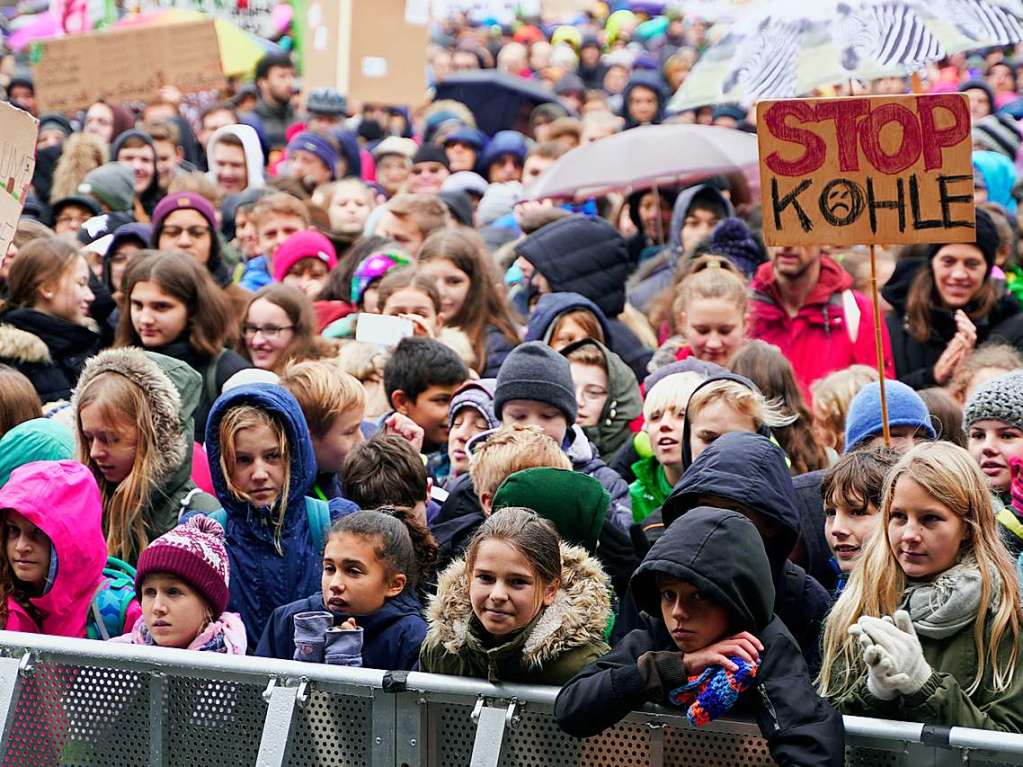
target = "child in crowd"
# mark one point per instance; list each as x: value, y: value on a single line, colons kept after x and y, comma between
x: 709, y: 311
x: 723, y: 404
x: 348, y: 203
x: 928, y: 627
x: 852, y: 504
x: 981, y: 365
x: 412, y: 294
x: 303, y: 261
x: 664, y: 413
x: 766, y: 366
x: 560, y: 319
x: 386, y: 470
x: 470, y: 300
x: 535, y: 388
x: 909, y: 421
x: 275, y: 217
x: 471, y: 413
x: 133, y: 414
x: 607, y: 394
x: 366, y: 612
x: 368, y: 274
x: 419, y: 380
x: 993, y: 420
x: 333, y: 404
x: 173, y: 307
x: 52, y: 564
x: 749, y: 474
x: 832, y: 396
x: 182, y: 582
x: 279, y: 327
x: 711, y: 641
x: 262, y: 465
x: 522, y: 607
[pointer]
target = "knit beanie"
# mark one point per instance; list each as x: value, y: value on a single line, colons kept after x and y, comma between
x: 1000, y: 399
x: 183, y: 201
x: 195, y: 553
x: 431, y: 153
x: 987, y: 239
x: 998, y: 133
x: 112, y: 184
x: 479, y: 395
x: 534, y: 371
x: 305, y: 244
x: 734, y: 240
x: 576, y: 503
x: 373, y: 267
x: 980, y: 85
x: 315, y: 144
x: 905, y: 408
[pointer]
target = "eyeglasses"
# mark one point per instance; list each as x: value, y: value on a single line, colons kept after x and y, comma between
x: 593, y: 394
x: 268, y: 331
x: 195, y: 232
x: 72, y: 219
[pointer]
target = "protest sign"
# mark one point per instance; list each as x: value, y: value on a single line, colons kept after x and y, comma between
x: 371, y: 52
x: 129, y: 64
x: 872, y: 170
x: 18, y: 130
x: 251, y: 15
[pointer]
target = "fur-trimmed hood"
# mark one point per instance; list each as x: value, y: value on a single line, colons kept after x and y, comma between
x: 23, y: 347
x: 171, y: 387
x: 578, y: 616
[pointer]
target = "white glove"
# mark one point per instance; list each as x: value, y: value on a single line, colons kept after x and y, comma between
x: 879, y: 665
x: 897, y: 639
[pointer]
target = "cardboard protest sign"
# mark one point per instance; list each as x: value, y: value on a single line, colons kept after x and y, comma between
x: 371, y: 52
x: 18, y: 131
x: 129, y: 64
x: 872, y: 170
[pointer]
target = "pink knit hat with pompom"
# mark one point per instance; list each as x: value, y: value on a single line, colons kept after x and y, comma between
x: 195, y: 553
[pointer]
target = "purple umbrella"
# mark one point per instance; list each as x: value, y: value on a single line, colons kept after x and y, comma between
x: 641, y: 158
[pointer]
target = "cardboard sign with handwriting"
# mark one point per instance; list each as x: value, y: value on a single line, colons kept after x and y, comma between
x: 18, y: 130
x: 125, y: 64
x: 871, y: 170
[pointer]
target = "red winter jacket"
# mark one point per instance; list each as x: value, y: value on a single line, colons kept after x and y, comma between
x: 817, y: 340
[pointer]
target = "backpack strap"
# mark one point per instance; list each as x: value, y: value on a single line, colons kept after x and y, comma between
x: 318, y: 515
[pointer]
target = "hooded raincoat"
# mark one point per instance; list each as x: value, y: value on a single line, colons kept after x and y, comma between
x: 250, y: 148
x: 172, y: 389
x: 562, y: 639
x: 818, y: 339
x: 78, y: 550
x: 269, y: 567
x: 720, y: 552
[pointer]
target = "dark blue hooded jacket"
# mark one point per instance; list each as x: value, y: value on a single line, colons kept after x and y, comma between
x: 264, y: 577
x: 589, y: 257
x: 504, y: 142
x: 750, y: 470
x: 650, y: 81
x: 390, y: 640
x: 553, y: 305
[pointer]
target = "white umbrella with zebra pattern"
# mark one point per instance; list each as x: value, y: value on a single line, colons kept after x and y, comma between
x: 787, y: 48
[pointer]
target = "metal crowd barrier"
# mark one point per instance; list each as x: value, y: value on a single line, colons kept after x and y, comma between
x: 83, y: 703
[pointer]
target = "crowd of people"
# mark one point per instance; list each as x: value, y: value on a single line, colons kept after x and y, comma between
x: 284, y: 380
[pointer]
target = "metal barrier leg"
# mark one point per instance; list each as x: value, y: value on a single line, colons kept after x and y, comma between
x: 383, y: 730
x: 11, y: 670
x: 157, y: 721
x: 275, y: 744
x: 491, y: 724
x: 410, y: 739
x: 930, y: 756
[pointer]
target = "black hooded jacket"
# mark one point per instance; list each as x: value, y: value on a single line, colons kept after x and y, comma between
x: 720, y: 552
x: 914, y: 361
x: 748, y: 469
x: 589, y: 257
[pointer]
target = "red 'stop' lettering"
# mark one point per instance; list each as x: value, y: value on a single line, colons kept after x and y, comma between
x: 815, y: 150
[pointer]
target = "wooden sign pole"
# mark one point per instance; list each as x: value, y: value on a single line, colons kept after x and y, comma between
x: 879, y: 346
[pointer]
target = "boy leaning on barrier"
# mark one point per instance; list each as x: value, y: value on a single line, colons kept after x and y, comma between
x: 711, y: 646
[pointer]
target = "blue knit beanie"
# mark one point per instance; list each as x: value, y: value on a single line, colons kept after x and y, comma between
x: 905, y: 408
x: 317, y: 145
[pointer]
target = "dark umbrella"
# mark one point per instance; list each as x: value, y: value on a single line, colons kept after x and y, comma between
x: 499, y: 101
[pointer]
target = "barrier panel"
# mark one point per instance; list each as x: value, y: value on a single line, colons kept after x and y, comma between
x: 83, y: 703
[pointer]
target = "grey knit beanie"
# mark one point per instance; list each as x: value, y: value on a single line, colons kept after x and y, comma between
x: 1000, y: 399
x: 112, y: 184
x: 534, y: 371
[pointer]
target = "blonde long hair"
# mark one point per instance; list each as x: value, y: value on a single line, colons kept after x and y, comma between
x: 952, y: 477
x: 247, y: 417
x: 124, y: 503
